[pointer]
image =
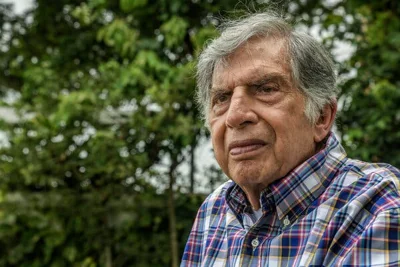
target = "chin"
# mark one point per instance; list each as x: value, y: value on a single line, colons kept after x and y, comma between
x: 253, y: 173
x: 250, y: 178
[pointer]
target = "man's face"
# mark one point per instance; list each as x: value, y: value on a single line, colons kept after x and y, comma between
x: 258, y: 126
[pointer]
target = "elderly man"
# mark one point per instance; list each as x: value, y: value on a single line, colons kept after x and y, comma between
x: 293, y: 199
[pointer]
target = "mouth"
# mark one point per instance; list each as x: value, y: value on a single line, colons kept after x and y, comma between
x: 245, y: 146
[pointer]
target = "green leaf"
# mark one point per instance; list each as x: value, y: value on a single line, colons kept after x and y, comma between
x: 174, y: 30
x: 130, y: 5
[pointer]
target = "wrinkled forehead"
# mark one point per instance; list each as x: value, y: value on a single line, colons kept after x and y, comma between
x: 271, y: 45
x: 253, y: 59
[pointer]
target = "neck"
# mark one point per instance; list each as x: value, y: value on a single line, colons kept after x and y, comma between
x: 254, y: 198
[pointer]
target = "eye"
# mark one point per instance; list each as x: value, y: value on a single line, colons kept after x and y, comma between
x: 220, y: 98
x: 266, y: 88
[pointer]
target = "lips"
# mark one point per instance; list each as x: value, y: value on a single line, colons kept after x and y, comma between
x: 245, y: 146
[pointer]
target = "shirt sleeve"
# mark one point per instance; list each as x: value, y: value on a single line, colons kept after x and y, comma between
x: 214, y: 207
x: 193, y: 250
x: 379, y: 245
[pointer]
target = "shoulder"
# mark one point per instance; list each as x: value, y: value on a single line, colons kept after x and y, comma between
x: 375, y: 185
x: 378, y: 244
x: 369, y: 173
x: 210, y: 212
x: 215, y: 202
x: 365, y: 198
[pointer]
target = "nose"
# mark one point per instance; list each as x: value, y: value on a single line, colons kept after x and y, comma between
x: 240, y: 112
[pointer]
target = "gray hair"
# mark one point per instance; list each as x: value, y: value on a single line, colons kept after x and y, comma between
x: 312, y: 67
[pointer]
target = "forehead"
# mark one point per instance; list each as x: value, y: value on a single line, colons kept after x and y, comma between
x: 256, y: 58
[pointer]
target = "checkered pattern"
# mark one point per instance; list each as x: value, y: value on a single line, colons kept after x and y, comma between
x: 329, y: 211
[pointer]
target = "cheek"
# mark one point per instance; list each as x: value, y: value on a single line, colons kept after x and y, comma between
x: 218, y: 140
x: 221, y: 155
x: 287, y: 135
x: 297, y: 142
x: 217, y: 147
x: 218, y: 131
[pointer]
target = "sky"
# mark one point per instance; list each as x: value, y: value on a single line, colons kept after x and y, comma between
x: 19, y: 5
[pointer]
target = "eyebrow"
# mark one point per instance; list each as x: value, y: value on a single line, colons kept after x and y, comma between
x: 216, y: 91
x: 270, y: 77
x: 258, y: 80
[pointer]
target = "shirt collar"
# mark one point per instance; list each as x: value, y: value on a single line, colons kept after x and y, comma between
x: 295, y: 192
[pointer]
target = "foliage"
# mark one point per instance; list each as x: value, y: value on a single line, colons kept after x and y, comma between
x: 370, y: 116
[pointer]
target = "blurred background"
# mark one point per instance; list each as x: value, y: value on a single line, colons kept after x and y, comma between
x: 103, y: 159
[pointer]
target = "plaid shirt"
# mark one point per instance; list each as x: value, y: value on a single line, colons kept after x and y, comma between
x: 328, y: 211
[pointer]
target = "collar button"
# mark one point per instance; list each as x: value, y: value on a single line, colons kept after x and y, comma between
x: 286, y: 221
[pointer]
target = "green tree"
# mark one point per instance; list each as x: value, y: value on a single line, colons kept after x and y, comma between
x: 370, y: 119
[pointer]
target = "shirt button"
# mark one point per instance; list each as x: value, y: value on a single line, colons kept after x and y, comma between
x: 255, y: 242
x: 286, y: 221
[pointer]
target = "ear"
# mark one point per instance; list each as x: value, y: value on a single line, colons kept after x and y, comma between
x: 325, y: 121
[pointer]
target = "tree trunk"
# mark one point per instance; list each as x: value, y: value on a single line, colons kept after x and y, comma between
x: 192, y: 164
x: 172, y: 216
x: 108, y: 257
